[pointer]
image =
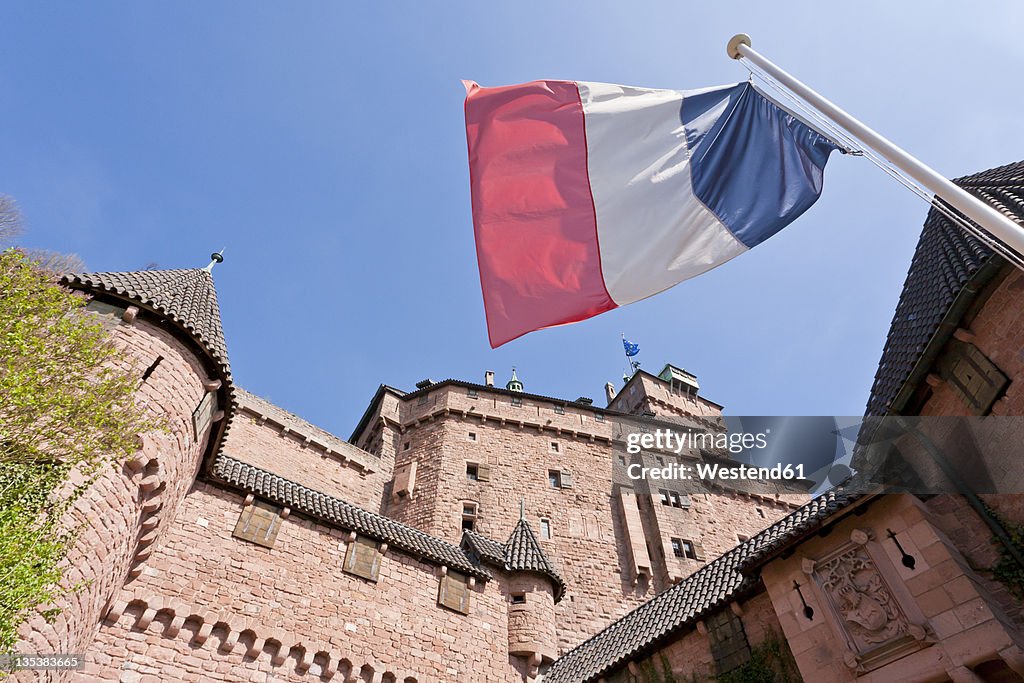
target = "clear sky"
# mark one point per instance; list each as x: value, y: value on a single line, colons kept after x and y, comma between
x: 323, y: 145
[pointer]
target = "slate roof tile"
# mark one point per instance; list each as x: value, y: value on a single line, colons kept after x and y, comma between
x: 185, y: 296
x: 339, y: 513
x: 945, y: 261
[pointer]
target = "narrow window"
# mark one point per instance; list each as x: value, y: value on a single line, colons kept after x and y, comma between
x: 472, y: 436
x: 622, y: 460
x: 760, y: 512
x: 472, y: 471
x: 664, y: 497
x: 518, y: 598
x: 554, y: 447
x: 661, y: 460
x: 677, y: 547
x: 677, y: 502
x: 689, y: 552
x: 555, y: 479
x: 405, y: 447
x: 469, y: 511
x: 545, y: 528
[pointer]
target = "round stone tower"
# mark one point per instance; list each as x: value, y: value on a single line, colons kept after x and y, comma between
x: 168, y: 324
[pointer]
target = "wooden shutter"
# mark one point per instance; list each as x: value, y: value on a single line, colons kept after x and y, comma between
x: 698, y: 550
x: 258, y: 523
x: 483, y: 472
x: 972, y: 375
x: 566, y: 480
x: 453, y: 592
x: 363, y: 558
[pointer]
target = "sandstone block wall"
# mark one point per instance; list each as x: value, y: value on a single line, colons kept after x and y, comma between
x: 212, y: 607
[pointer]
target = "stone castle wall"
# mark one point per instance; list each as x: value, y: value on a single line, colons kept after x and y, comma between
x: 211, y: 607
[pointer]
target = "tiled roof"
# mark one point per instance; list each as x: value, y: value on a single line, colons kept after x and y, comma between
x: 679, y: 607
x: 943, y: 266
x: 186, y: 297
x: 344, y: 515
x: 521, y: 553
x: 254, y: 403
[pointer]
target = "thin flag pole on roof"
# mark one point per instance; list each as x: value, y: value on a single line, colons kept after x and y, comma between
x: 985, y: 215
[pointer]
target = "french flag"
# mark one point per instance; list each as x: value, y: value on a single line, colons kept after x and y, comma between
x: 590, y: 196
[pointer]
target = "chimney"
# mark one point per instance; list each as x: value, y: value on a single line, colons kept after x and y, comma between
x: 489, y: 378
x: 609, y: 392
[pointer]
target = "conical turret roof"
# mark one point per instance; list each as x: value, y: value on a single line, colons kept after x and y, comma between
x: 185, y: 296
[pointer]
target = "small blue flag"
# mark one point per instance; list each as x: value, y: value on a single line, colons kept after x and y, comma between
x: 631, y: 349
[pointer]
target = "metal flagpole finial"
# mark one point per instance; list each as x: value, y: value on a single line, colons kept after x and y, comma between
x: 216, y: 257
x: 733, y: 48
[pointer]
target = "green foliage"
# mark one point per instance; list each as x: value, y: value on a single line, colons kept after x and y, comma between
x: 769, y: 663
x: 1007, y: 569
x: 66, y: 404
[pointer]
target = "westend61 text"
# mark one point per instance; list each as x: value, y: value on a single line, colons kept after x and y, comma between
x: 668, y: 440
x: 709, y: 471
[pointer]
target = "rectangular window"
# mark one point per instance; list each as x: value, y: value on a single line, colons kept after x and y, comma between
x: 518, y: 598
x: 760, y: 512
x: 545, y: 528
x: 471, y: 436
x: 258, y: 523
x: 622, y: 460
x: 554, y: 447
x: 559, y: 410
x: 472, y: 393
x: 677, y: 547
x: 660, y: 460
x: 363, y: 558
x: 405, y: 446
x: 555, y: 479
x: 517, y: 401
x: 472, y: 471
x: 677, y: 502
x: 664, y: 495
x: 689, y: 551
x: 598, y: 417
x: 453, y: 592
x: 469, y: 514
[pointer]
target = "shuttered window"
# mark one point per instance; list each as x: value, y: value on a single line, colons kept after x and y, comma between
x: 454, y: 592
x: 363, y: 558
x: 973, y: 376
x: 258, y: 523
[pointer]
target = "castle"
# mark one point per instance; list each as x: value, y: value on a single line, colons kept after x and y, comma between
x: 473, y: 532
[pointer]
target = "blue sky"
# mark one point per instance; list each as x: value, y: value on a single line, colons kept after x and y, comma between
x: 323, y: 145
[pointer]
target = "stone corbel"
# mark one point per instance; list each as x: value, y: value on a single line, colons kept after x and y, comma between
x: 130, y: 314
x: 212, y: 385
x: 861, y: 536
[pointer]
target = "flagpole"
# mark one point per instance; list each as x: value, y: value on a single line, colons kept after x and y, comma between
x: 985, y: 215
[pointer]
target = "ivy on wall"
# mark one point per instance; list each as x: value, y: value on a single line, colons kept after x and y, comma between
x: 66, y: 404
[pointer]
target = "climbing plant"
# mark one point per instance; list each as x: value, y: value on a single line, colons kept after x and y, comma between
x: 66, y: 405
